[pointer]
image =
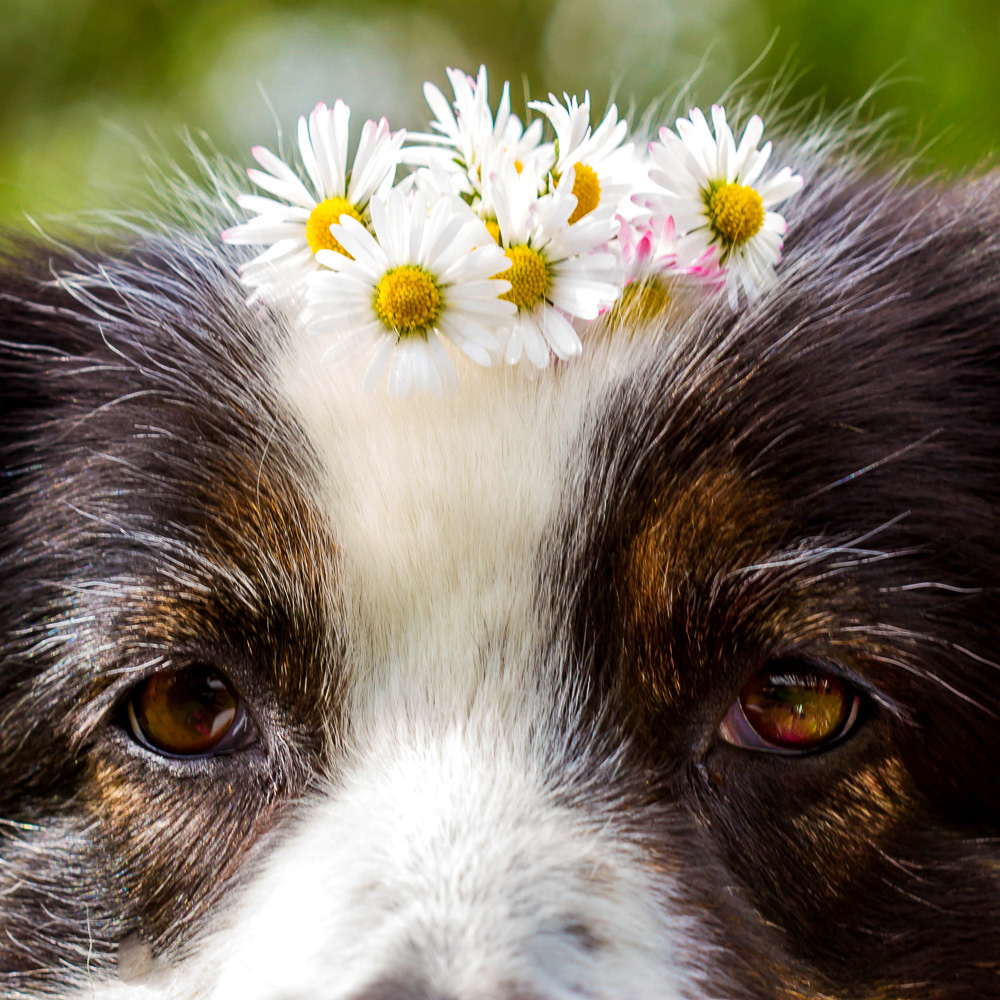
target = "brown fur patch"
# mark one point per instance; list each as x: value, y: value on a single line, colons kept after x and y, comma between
x: 677, y: 576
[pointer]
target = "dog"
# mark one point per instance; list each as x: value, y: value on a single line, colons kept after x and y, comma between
x: 670, y: 672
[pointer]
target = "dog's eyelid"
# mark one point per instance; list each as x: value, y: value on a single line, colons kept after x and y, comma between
x: 131, y: 669
x: 888, y: 705
x: 110, y: 698
x: 811, y: 662
x: 865, y: 687
x: 92, y: 712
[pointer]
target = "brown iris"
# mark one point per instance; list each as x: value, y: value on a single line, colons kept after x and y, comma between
x: 796, y: 711
x: 184, y: 713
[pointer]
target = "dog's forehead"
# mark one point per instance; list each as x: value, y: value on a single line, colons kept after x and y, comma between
x: 440, y: 506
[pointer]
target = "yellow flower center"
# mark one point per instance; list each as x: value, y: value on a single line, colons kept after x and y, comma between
x: 643, y: 301
x: 735, y: 212
x: 528, y: 276
x: 407, y: 300
x: 587, y: 189
x: 493, y: 228
x: 322, y: 217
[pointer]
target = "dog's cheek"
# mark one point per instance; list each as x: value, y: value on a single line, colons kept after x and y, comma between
x: 175, y: 841
x: 849, y: 867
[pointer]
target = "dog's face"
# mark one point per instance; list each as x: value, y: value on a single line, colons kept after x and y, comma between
x: 668, y: 673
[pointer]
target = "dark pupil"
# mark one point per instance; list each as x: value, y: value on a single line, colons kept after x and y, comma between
x: 187, y: 712
x: 797, y: 711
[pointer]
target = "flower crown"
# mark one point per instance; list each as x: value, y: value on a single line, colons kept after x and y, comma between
x: 498, y: 241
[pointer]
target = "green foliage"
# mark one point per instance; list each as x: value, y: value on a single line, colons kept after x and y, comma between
x: 85, y: 85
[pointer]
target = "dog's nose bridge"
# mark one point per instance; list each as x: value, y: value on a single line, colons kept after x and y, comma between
x: 408, y: 987
x: 450, y: 866
x: 401, y: 987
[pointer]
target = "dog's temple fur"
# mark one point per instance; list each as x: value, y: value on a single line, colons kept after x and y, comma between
x: 486, y: 643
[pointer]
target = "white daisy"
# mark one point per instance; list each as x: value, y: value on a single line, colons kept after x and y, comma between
x: 468, y: 139
x: 558, y: 271
x: 632, y: 171
x: 296, y: 228
x: 717, y: 197
x: 602, y: 164
x: 419, y: 278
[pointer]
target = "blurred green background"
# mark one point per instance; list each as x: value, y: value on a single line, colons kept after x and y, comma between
x: 85, y: 85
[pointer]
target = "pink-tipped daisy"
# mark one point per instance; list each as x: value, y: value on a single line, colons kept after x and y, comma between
x: 649, y: 271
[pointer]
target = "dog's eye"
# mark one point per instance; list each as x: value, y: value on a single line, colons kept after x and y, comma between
x: 790, y: 708
x: 192, y: 712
